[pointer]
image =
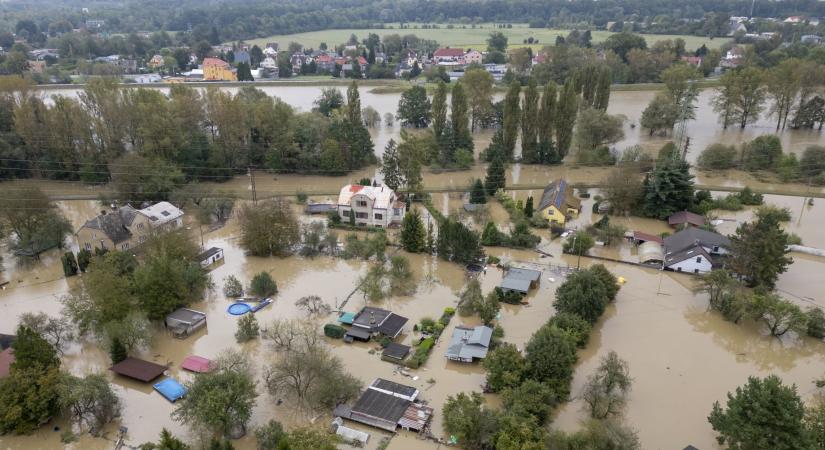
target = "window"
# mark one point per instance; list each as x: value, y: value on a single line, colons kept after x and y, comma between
x: 695, y: 270
x: 88, y: 246
x: 698, y: 259
x: 345, y: 213
x: 124, y: 246
x: 361, y: 215
x: 396, y: 211
x: 678, y: 269
x: 716, y: 249
x: 379, y: 217
x: 140, y: 225
x: 362, y: 203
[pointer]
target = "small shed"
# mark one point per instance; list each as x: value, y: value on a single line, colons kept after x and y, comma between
x: 396, y: 351
x: 651, y: 252
x: 320, y: 208
x: 170, y: 389
x: 357, y: 334
x: 350, y: 434
x: 138, y: 369
x: 520, y: 280
x: 515, y: 285
x: 197, y: 364
x: 184, y: 321
x: 685, y: 217
x: 346, y: 318
x: 210, y: 257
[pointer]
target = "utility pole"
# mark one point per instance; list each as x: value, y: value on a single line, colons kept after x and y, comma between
x: 252, y: 181
x: 804, y: 200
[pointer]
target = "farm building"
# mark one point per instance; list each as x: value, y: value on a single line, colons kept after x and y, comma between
x: 388, y: 405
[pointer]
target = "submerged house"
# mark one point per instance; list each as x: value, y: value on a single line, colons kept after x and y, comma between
x: 138, y: 369
x: 469, y: 344
x: 388, y: 405
x: 210, y: 257
x: 558, y: 203
x: 520, y: 280
x: 184, y: 321
x: 370, y: 321
x: 694, y: 250
x: 374, y: 206
x: 127, y: 227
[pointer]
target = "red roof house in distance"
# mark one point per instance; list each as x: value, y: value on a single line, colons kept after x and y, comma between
x: 448, y: 55
x: 685, y: 218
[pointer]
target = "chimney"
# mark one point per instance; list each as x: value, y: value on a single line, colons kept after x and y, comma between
x: 372, y: 317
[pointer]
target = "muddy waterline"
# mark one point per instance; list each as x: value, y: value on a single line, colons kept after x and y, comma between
x: 666, y: 333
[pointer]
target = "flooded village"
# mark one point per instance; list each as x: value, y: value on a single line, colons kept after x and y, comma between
x: 682, y: 354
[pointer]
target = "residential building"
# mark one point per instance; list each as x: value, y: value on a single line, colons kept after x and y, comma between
x: 269, y: 63
x: 324, y: 63
x: 473, y: 56
x: 211, y: 256
x: 694, y: 250
x: 95, y: 25
x: 558, y: 203
x: 362, y: 63
x: 298, y: 60
x: 215, y: 69
x: 448, y: 55
x: 184, y: 321
x: 126, y: 227
x: 241, y: 56
x: 375, y: 206
x: 370, y: 321
x: 388, y: 405
x: 794, y: 19
x: 521, y: 280
x: 811, y: 39
x: 695, y: 61
x: 42, y: 53
x: 469, y: 344
x: 685, y: 218
x: 155, y: 62
x: 733, y: 58
x: 380, y: 57
x: 147, y: 78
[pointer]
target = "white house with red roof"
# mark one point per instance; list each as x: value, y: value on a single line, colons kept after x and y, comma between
x: 375, y: 206
x: 448, y: 55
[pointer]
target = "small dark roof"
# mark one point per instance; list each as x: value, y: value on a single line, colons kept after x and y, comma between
x: 114, y: 224
x: 686, y: 217
x: 320, y: 208
x: 186, y: 315
x: 383, y: 406
x: 472, y: 207
x: 645, y: 237
x: 515, y: 284
x: 370, y: 317
x: 138, y: 369
x: 691, y: 236
x: 209, y: 253
x: 688, y: 253
x: 520, y: 273
x: 358, y: 333
x: 396, y: 351
x: 392, y: 325
x: 690, y: 447
x: 392, y: 386
x: 6, y: 340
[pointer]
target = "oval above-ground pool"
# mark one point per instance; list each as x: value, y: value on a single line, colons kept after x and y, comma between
x: 238, y: 309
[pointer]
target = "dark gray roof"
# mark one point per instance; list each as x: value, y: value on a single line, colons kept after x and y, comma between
x: 691, y: 236
x: 519, y: 273
x: 370, y: 317
x: 687, y: 253
x: 396, y: 351
x: 320, y: 208
x: 208, y: 254
x: 378, y: 404
x: 392, y: 386
x: 186, y: 315
x: 115, y: 224
x: 514, y: 284
x: 392, y: 325
x: 468, y: 343
x: 358, y: 333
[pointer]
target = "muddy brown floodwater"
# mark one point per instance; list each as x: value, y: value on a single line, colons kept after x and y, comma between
x: 682, y: 357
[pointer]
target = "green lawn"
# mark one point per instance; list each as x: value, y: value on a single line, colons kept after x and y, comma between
x: 467, y: 37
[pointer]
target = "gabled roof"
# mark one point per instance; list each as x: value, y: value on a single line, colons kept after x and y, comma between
x: 514, y: 284
x: 448, y: 52
x: 381, y: 195
x: 469, y: 343
x: 215, y: 62
x: 396, y: 389
x: 691, y: 236
x: 138, y: 369
x: 114, y: 224
x: 396, y: 351
x: 380, y: 405
x: 686, y: 217
x: 685, y: 254
x: 393, y: 325
x: 161, y: 213
x: 208, y: 254
x: 559, y: 195
x: 520, y: 273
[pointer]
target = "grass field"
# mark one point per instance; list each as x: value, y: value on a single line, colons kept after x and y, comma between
x: 467, y: 37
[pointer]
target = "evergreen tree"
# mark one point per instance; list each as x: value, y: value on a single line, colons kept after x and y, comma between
x: 588, y: 77
x: 414, y: 108
x: 528, y: 207
x: 758, y: 250
x: 565, y: 117
x: 510, y: 119
x: 439, y: 110
x: 529, y: 123
x: 458, y: 243
x: 668, y: 189
x: 546, y: 149
x: 603, y: 89
x: 354, y: 104
x: 352, y: 132
x: 477, y: 194
x: 460, y: 119
x: 244, y: 72
x: 412, y: 233
x: 390, y: 170
x: 117, y: 351
x: 495, y: 179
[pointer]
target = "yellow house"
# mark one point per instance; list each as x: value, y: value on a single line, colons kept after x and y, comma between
x: 558, y: 203
x: 215, y: 69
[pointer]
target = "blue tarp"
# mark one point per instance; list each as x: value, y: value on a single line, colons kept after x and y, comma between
x: 347, y: 318
x: 170, y: 389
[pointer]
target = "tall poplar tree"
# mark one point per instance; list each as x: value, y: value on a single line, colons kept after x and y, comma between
x: 357, y: 136
x: 510, y: 120
x: 529, y: 123
x: 603, y: 89
x: 460, y: 119
x: 565, y: 117
x: 495, y: 179
x: 546, y: 149
x: 439, y: 110
x: 390, y: 169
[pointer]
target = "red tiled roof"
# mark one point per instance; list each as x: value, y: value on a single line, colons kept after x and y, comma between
x: 214, y: 62
x: 323, y: 58
x: 355, y: 187
x: 138, y: 369
x: 447, y: 52
x: 362, y: 60
x: 641, y: 236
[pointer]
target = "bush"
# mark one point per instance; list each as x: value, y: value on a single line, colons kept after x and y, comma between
x: 301, y: 197
x: 717, y: 157
x: 816, y: 323
x: 422, y: 353
x: 247, y: 328
x: 334, y: 331
x: 232, y: 287
x: 263, y: 285
x: 512, y: 297
x: 762, y: 153
x: 579, y: 243
x: 573, y: 324
x: 493, y: 260
x: 334, y: 218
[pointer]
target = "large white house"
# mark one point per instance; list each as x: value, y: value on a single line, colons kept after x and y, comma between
x: 375, y: 206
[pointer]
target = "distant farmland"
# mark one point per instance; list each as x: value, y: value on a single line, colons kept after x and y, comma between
x: 468, y: 37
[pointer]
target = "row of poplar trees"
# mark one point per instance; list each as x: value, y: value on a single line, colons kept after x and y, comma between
x: 546, y: 121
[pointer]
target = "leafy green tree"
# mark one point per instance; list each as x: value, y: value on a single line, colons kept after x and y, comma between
x: 89, y: 400
x: 680, y: 85
x: 478, y: 195
x: 330, y: 100
x: 247, y: 328
x: 460, y: 120
x: 505, y: 367
x: 583, y: 293
x: 479, y: 86
x: 222, y: 400
x: 491, y: 236
x: 605, y: 392
x: 668, y: 189
x: 758, y: 250
x: 268, y: 228
x: 33, y: 351
x: 117, y: 351
x: 469, y: 421
x: 607, y: 434
x: 245, y: 72
x: 596, y: 129
x: 496, y: 175
x: 531, y: 398
x: 262, y: 285
x: 778, y: 314
x: 33, y: 219
x: 573, y: 324
x: 762, y: 153
x: 602, y: 98
x: 717, y: 157
x: 167, y: 442
x: 390, y: 170
x: 763, y: 413
x: 270, y: 435
x: 470, y: 297
x: 741, y: 96
x: 497, y: 41
x: 309, y: 438
x: 413, y: 236
x: 660, y: 115
x: 565, y: 117
x: 510, y: 119
x: 546, y: 122
x: 29, y: 397
x: 579, y: 243
x: 458, y: 243
x: 154, y: 182
x: 622, y: 43
x: 624, y: 189
x: 815, y: 323
x: 414, y: 108
x: 550, y: 355
x: 232, y: 287
x: 812, y: 162
x: 530, y: 123
x: 519, y: 432
x: 782, y: 83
